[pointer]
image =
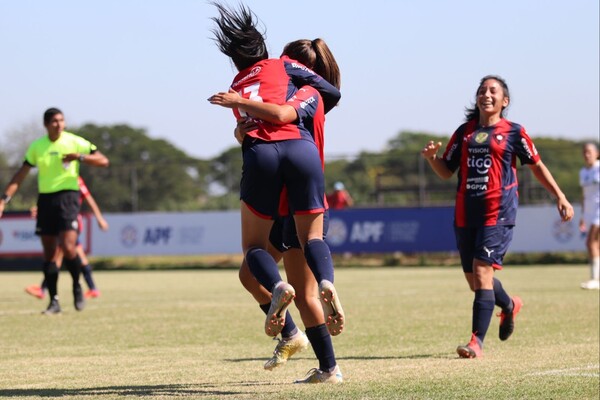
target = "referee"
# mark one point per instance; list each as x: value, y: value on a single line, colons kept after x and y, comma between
x: 57, y: 157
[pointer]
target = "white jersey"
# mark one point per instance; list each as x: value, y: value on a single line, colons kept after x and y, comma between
x: 589, y: 179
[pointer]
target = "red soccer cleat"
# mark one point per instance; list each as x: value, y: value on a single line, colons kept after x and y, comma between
x: 92, y: 294
x: 471, y: 350
x: 35, y: 291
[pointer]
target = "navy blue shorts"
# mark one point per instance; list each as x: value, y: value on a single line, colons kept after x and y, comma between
x: 268, y: 166
x: 486, y: 243
x: 283, y: 234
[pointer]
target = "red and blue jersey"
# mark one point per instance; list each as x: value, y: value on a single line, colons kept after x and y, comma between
x: 486, y: 160
x: 276, y: 81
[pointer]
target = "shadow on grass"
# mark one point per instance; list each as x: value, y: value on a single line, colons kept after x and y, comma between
x: 358, y: 358
x: 202, y: 389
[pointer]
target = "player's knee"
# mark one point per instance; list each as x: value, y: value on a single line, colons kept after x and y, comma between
x: 50, y: 267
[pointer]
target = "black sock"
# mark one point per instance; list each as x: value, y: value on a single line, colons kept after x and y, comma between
x: 51, y: 278
x: 320, y: 340
x: 503, y: 300
x: 483, y: 309
x: 74, y: 266
x: 318, y: 258
x: 86, y: 270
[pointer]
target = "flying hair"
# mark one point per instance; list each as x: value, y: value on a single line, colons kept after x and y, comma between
x: 237, y: 35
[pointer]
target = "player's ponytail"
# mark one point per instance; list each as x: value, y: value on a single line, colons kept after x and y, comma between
x: 325, y: 63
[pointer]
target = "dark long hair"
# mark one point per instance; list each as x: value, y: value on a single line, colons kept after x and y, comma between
x: 473, y: 111
x: 315, y: 54
x: 238, y: 37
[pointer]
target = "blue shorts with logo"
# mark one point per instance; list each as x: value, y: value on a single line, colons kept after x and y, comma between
x: 283, y: 234
x: 486, y: 243
x: 268, y: 166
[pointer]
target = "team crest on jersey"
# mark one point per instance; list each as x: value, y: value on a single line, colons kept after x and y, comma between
x: 499, y: 138
x: 481, y: 137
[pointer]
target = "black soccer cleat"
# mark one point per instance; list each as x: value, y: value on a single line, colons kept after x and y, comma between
x: 78, y: 298
x: 53, y: 308
x: 507, y: 320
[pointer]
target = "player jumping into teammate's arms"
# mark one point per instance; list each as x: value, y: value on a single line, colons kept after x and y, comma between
x: 283, y: 238
x: 484, y: 150
x: 277, y: 156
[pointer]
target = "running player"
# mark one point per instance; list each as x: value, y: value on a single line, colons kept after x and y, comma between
x: 57, y: 156
x: 589, y: 179
x: 484, y: 150
x: 275, y: 156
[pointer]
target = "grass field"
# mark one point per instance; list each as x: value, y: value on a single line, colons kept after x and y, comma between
x: 198, y: 334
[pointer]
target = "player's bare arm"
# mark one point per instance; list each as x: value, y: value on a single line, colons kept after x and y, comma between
x: 429, y: 153
x: 543, y: 175
x: 13, y: 186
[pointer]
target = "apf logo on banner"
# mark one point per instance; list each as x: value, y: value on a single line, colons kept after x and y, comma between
x: 129, y: 236
x: 360, y: 232
x: 337, y: 233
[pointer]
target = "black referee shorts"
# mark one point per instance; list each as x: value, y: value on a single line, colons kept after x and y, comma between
x: 57, y: 212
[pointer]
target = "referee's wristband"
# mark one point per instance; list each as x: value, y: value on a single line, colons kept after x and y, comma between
x: 81, y: 157
x: 5, y: 198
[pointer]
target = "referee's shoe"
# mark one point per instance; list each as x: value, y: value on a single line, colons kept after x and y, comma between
x: 78, y: 298
x: 53, y: 307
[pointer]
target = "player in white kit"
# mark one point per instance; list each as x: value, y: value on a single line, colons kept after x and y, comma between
x: 589, y: 179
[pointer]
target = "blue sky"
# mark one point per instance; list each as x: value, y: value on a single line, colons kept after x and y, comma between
x: 406, y: 65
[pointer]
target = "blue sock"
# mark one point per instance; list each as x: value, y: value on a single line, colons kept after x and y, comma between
x: 290, y: 328
x: 318, y: 258
x: 263, y: 267
x: 483, y: 309
x: 503, y: 300
x: 320, y: 341
x: 86, y: 270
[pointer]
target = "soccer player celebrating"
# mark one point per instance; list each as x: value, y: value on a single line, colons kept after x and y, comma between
x: 57, y: 156
x: 589, y: 179
x: 484, y: 150
x: 283, y: 237
x: 276, y: 155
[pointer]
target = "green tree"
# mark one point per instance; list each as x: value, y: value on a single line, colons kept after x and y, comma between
x: 145, y: 174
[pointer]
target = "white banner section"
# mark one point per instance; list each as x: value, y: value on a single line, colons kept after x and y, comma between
x: 540, y: 230
x: 168, y: 234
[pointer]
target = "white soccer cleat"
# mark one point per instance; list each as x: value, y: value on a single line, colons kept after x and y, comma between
x: 317, y: 376
x: 593, y: 284
x: 285, y: 349
x: 332, y: 308
x: 282, y: 296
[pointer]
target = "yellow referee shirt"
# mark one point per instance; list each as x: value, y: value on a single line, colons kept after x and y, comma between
x: 55, y: 175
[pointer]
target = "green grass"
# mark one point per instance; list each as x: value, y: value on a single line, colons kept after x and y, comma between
x: 198, y: 334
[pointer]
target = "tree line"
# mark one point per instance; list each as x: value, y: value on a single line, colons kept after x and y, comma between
x: 149, y: 174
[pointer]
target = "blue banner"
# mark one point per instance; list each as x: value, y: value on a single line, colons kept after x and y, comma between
x: 385, y: 230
